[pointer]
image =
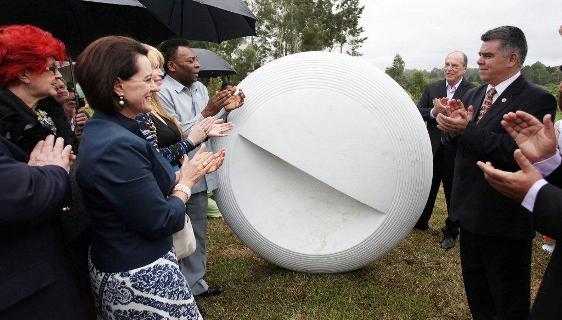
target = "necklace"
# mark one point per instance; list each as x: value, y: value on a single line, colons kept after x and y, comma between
x: 148, y: 129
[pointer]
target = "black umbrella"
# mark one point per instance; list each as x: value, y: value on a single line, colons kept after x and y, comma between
x: 207, y: 20
x: 79, y: 22
x: 212, y: 65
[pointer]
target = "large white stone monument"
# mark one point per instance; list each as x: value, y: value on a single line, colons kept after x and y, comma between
x: 329, y: 165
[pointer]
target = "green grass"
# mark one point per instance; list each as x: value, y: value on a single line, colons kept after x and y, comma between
x: 415, y: 280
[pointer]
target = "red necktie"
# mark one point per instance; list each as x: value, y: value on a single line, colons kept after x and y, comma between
x: 487, y: 102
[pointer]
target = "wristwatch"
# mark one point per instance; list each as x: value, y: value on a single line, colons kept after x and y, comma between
x: 183, y: 188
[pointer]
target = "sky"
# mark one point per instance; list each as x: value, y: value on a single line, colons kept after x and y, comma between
x: 423, y: 32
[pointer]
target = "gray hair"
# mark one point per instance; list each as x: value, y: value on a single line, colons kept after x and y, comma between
x: 511, y: 39
x: 464, y: 57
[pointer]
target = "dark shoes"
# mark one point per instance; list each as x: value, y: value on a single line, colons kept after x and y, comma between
x: 212, y: 291
x: 448, y: 243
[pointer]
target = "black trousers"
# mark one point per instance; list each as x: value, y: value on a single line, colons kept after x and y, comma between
x: 497, y: 275
x: 443, y: 168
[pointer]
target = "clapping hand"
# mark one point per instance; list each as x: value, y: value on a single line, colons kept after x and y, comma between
x: 536, y: 140
x: 198, y: 132
x: 514, y: 185
x: 235, y: 101
x: 219, y: 128
x: 51, y: 152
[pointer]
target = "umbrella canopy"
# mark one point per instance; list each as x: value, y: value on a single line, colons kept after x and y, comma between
x: 212, y: 65
x: 207, y: 20
x: 79, y: 22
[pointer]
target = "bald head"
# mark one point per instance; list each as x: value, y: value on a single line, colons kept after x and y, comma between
x: 455, y: 67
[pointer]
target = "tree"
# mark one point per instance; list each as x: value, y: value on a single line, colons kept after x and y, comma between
x: 417, y: 85
x: 396, y: 71
x: 345, y: 26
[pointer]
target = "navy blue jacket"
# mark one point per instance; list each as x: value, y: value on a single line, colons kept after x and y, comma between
x: 125, y: 183
x: 34, y: 281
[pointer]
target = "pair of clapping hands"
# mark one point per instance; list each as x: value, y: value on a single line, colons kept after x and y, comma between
x: 202, y: 162
x: 537, y: 142
x: 451, y: 115
x: 227, y: 99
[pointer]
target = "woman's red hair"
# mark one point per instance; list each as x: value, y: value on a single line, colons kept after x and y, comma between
x: 26, y: 47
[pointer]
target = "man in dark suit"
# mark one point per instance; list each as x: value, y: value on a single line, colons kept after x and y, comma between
x: 538, y: 145
x: 496, y: 232
x: 444, y: 148
x: 34, y: 280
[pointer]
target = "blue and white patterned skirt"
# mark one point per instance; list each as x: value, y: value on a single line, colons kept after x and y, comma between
x: 155, y: 291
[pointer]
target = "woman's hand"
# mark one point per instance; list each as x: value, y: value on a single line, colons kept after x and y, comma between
x: 198, y: 132
x: 220, y: 129
x: 218, y: 160
x: 192, y: 170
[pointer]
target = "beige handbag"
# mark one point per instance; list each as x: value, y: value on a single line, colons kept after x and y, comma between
x: 184, y: 240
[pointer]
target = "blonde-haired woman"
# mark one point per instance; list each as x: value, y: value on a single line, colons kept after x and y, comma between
x: 164, y: 132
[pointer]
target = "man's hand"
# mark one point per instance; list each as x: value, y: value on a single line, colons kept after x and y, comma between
x: 235, y: 101
x: 216, y: 103
x: 454, y: 108
x: 456, y: 122
x: 80, y: 119
x: 536, y: 140
x: 439, y: 106
x: 514, y: 185
x: 51, y: 152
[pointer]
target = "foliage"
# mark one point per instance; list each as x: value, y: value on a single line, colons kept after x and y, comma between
x: 413, y: 79
x: 540, y: 74
x: 396, y: 71
x: 289, y: 26
x: 417, y: 85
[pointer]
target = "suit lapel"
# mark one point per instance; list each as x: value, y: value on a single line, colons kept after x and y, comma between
x: 478, y: 100
x: 442, y: 92
x: 503, y: 103
x: 461, y: 89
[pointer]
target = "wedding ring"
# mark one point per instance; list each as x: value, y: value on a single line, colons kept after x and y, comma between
x: 204, y: 164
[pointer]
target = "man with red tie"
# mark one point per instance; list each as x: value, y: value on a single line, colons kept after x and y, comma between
x: 496, y: 232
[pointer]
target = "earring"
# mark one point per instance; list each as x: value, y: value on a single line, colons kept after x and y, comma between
x: 121, y: 100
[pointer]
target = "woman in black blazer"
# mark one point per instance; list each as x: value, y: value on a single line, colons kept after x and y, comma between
x: 34, y: 280
x: 135, y: 199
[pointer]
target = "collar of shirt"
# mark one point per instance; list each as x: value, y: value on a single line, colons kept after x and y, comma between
x: 451, y: 89
x: 500, y: 88
x: 178, y: 87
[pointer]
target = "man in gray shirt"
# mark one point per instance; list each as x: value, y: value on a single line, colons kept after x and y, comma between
x: 188, y: 101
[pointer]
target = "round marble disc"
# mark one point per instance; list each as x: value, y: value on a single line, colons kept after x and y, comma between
x: 329, y: 165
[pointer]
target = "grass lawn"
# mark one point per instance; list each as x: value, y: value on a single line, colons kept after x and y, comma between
x: 415, y: 280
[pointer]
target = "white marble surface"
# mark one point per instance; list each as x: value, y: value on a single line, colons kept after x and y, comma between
x: 329, y: 165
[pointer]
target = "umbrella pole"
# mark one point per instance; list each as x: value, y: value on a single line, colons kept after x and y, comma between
x: 181, y: 20
x: 76, y: 95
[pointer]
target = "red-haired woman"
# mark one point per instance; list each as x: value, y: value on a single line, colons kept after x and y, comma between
x: 34, y: 280
x: 28, y: 73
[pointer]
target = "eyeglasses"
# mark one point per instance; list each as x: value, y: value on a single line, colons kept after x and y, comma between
x: 53, y: 68
x: 147, y: 82
x: 452, y: 66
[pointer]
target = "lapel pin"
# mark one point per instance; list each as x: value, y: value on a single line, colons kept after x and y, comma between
x: 504, y: 99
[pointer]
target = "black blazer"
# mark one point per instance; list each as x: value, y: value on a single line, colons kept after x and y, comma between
x: 437, y: 90
x: 34, y: 282
x: 547, y: 218
x: 19, y: 124
x: 475, y: 204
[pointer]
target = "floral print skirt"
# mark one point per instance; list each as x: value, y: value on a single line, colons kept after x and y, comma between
x: 155, y: 291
